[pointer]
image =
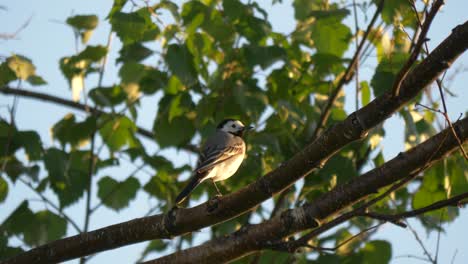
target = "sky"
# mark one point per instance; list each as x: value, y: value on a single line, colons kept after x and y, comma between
x: 46, y: 39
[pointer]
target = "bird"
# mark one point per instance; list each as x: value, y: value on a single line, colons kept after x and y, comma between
x: 221, y: 156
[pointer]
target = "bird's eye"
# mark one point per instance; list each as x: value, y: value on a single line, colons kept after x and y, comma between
x: 233, y: 126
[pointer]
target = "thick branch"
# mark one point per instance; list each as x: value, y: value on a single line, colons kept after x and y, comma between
x: 261, y: 236
x: 181, y: 221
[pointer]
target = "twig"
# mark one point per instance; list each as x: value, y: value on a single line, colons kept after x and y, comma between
x: 356, y: 28
x: 49, y: 202
x: 411, y: 256
x: 454, y: 255
x: 400, y: 77
x: 6, y: 36
x: 420, y: 242
x: 438, y: 237
x: 346, y: 241
x: 89, y: 188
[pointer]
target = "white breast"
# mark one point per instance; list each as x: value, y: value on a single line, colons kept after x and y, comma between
x: 225, y: 169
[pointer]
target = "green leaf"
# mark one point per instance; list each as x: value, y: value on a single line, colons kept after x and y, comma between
x: 108, y: 96
x: 153, y: 81
x: 170, y: 6
x: 177, y: 132
x: 46, y: 227
x: 19, y: 220
x: 117, y: 195
x: 7, y: 251
x: 134, y: 27
x: 377, y: 251
x: 117, y: 132
x: 36, y: 80
x: 398, y: 12
x: 330, y: 37
x: 21, y: 66
x: 132, y: 72
x: 385, y: 73
x: 116, y: 7
x: 303, y: 8
x: 83, y: 22
x: 68, y: 174
x: 3, y: 189
x: 32, y: 144
x: 457, y: 175
x: 365, y: 93
x: 134, y: 52
x: 157, y: 245
x: 14, y: 168
x: 77, y: 134
x: 91, y: 53
x: 180, y: 62
x: 163, y: 185
x: 6, y: 74
x: 264, y: 56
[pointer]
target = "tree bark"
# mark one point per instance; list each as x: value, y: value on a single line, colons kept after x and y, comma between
x: 257, y: 237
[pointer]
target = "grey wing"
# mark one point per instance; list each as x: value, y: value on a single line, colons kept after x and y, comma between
x: 219, y: 153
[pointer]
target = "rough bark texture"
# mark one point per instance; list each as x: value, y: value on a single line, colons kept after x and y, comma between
x: 180, y: 221
x: 259, y: 236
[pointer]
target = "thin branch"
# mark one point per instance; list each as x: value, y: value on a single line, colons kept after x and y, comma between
x: 49, y: 202
x: 346, y: 77
x: 438, y: 237
x: 6, y: 36
x: 411, y: 256
x: 401, y: 76
x: 432, y: 207
x: 347, y: 240
x: 356, y: 28
x: 89, y: 188
x: 420, y: 242
x: 78, y: 106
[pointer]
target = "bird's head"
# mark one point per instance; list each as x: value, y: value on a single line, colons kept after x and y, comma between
x: 233, y: 126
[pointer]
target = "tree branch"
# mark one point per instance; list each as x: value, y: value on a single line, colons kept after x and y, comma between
x: 257, y: 237
x: 77, y: 106
x: 180, y: 221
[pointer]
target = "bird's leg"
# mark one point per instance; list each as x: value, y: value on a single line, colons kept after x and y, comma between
x: 219, y: 193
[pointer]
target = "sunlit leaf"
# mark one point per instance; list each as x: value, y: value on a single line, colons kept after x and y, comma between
x: 46, y: 227
x: 117, y: 132
x: 3, y: 189
x: 21, y: 66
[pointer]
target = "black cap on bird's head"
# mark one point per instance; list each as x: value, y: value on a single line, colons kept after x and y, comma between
x: 233, y: 126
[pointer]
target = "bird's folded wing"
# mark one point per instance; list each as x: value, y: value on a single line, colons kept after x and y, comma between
x: 214, y: 156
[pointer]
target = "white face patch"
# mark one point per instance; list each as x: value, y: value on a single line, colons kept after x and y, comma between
x: 233, y: 126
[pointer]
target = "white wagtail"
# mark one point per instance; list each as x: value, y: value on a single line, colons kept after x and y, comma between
x: 220, y: 157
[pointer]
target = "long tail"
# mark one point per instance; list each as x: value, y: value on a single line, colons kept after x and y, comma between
x: 188, y: 189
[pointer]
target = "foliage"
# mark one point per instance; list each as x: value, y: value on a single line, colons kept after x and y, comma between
x: 215, y: 59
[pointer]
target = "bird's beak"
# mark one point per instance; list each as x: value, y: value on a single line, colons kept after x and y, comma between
x: 248, y: 128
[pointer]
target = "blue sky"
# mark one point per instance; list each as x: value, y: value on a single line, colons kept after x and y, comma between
x: 46, y: 39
